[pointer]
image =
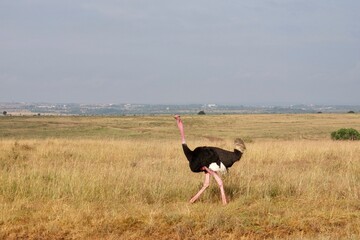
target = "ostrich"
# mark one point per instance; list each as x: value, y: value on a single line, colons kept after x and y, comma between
x: 210, y: 160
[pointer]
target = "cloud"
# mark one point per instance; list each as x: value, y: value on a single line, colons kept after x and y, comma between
x: 117, y: 10
x: 273, y: 48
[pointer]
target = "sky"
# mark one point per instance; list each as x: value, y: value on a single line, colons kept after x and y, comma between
x: 244, y: 52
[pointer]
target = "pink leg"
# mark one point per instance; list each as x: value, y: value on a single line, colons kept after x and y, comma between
x: 219, y: 182
x: 206, y: 184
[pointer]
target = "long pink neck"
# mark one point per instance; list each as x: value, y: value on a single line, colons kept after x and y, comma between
x: 181, y: 128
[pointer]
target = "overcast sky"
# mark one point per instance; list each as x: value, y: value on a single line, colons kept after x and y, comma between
x: 175, y: 52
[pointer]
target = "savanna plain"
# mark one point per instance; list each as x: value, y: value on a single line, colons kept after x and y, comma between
x: 126, y: 177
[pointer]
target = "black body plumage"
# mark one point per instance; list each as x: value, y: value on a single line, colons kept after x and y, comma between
x: 204, y: 156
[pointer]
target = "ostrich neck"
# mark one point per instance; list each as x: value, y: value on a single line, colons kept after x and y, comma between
x: 181, y: 129
x: 188, y: 153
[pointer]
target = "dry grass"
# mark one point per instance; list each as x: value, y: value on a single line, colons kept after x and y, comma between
x: 57, y: 188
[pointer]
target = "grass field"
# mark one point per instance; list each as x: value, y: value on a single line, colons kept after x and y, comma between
x: 127, y: 178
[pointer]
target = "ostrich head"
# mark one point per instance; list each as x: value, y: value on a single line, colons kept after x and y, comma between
x: 240, y: 145
x: 178, y: 119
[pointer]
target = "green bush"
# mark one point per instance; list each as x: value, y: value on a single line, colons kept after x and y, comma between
x: 345, y: 134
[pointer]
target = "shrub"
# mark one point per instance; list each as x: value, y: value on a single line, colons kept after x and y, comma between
x: 345, y: 134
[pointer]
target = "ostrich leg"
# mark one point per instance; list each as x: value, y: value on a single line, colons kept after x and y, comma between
x: 219, y: 182
x: 206, y: 184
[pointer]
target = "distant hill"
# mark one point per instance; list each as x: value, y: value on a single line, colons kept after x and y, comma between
x: 146, y: 109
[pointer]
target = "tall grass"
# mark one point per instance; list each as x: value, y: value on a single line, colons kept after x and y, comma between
x: 139, y: 189
x: 149, y: 128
